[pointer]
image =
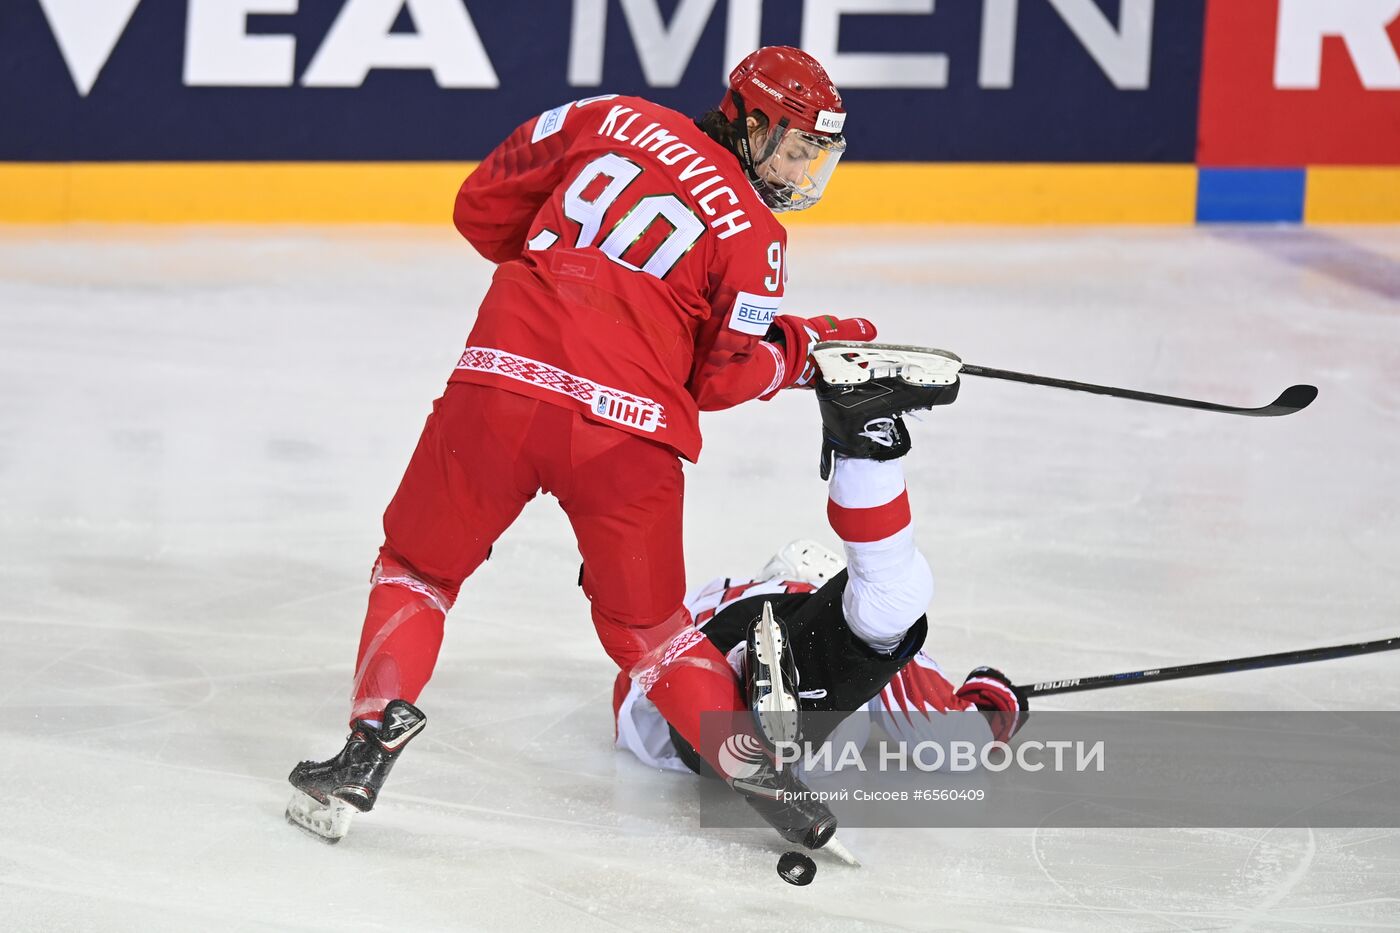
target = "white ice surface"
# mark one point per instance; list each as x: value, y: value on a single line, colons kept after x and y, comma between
x: 200, y: 428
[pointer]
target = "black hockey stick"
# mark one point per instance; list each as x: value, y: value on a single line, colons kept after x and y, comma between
x: 1280, y: 659
x: 1294, y: 398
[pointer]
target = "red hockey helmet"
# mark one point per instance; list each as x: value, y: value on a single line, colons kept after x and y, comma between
x: 784, y: 82
x: 798, y: 149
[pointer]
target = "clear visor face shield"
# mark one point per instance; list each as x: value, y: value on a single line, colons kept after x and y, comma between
x: 797, y: 167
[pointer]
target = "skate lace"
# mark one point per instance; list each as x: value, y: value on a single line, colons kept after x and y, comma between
x: 881, y: 431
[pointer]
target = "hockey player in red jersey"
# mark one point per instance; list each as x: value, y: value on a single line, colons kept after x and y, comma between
x: 640, y: 276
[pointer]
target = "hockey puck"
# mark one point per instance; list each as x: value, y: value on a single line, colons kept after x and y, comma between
x: 796, y: 868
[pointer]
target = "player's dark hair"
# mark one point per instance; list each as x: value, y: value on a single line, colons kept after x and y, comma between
x: 718, y: 127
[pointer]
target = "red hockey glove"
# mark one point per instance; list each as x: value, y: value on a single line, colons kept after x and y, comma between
x: 797, y: 335
x: 993, y: 693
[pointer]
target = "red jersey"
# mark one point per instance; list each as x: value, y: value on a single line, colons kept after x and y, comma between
x: 638, y: 270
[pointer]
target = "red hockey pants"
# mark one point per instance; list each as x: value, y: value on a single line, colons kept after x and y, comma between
x: 483, y: 454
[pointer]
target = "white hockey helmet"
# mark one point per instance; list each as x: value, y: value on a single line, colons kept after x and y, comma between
x: 803, y: 560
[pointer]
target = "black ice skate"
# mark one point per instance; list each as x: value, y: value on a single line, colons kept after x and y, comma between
x: 330, y: 792
x: 865, y: 388
x: 786, y: 804
x: 770, y: 682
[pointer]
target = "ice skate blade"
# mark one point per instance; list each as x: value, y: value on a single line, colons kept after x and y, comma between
x: 328, y: 822
x: 846, y: 363
x: 777, y: 710
x: 841, y: 852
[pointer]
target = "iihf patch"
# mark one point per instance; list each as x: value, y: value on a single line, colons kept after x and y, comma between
x: 644, y: 415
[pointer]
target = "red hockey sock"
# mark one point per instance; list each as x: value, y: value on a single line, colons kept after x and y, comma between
x: 867, y: 501
x: 692, y: 678
x: 399, y: 642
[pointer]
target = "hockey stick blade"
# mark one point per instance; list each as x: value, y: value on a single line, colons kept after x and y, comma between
x: 1294, y: 398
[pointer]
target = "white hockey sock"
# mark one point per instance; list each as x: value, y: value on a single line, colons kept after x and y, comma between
x: 890, y: 582
x: 865, y: 484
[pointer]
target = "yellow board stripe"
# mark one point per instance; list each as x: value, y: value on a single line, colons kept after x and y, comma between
x: 863, y: 193
x: 422, y: 192
x: 231, y: 192
x: 1353, y: 195
x: 903, y: 193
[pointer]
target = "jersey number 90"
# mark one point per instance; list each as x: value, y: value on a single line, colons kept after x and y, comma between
x: 619, y: 173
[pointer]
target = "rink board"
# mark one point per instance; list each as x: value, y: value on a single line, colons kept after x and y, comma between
x: 1078, y: 111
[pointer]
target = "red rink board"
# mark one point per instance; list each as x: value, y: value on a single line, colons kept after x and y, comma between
x: 1247, y: 121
